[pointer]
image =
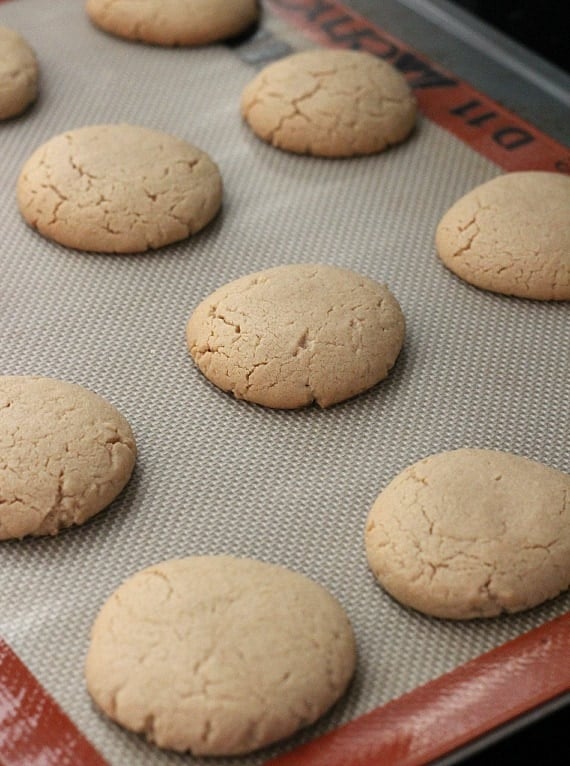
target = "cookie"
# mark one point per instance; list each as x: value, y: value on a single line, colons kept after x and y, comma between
x: 297, y: 334
x: 511, y: 236
x: 330, y: 103
x: 66, y: 454
x: 219, y: 655
x: 118, y: 189
x: 174, y: 22
x: 472, y: 533
x: 18, y: 74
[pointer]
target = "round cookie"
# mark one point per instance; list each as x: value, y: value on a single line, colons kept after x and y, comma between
x: 472, y: 533
x: 330, y: 103
x: 297, y: 334
x: 174, y: 22
x: 18, y: 74
x: 219, y: 655
x: 66, y: 454
x: 511, y: 236
x: 118, y: 189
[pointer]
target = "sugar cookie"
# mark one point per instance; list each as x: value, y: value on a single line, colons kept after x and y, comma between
x: 219, y: 655
x: 174, y: 22
x: 118, y: 189
x: 18, y: 74
x: 511, y: 235
x: 330, y: 103
x: 295, y: 334
x: 472, y: 533
x: 66, y: 454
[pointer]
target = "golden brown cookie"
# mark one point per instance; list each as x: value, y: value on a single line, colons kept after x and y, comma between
x: 118, y: 189
x: 218, y: 655
x: 330, y: 103
x: 174, y: 22
x: 472, y: 533
x: 18, y: 74
x: 297, y: 334
x: 66, y: 454
x: 511, y: 235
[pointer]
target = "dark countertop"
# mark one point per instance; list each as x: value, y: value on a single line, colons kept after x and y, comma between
x: 540, y: 26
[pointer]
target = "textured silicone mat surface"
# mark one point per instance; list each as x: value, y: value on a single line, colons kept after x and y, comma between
x: 220, y: 476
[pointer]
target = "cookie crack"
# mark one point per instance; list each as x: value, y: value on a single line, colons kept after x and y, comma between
x: 297, y: 112
x: 75, y: 165
x: 161, y: 576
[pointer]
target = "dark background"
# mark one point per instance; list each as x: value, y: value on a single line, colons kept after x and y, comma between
x: 544, y: 743
x: 541, y: 25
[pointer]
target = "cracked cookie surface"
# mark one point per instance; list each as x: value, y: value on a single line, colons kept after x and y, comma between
x: 330, y: 103
x: 472, y: 533
x: 219, y: 655
x: 118, y: 189
x: 18, y: 74
x: 65, y: 454
x: 297, y: 334
x: 174, y: 22
x: 511, y: 236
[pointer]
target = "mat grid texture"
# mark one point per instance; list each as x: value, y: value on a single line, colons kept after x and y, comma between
x: 216, y: 475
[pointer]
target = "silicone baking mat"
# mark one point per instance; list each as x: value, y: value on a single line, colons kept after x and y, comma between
x: 216, y: 475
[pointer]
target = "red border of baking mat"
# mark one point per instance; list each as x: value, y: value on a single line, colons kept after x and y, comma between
x: 483, y: 124
x: 449, y: 711
x: 414, y: 729
x: 34, y: 730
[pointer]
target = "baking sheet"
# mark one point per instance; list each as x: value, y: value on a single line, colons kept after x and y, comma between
x: 220, y: 476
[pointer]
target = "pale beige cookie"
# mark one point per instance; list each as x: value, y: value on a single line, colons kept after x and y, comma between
x: 330, y: 103
x: 472, y: 533
x: 511, y: 235
x: 219, y: 655
x: 174, y: 22
x: 18, y: 74
x: 297, y: 334
x: 118, y: 189
x: 66, y: 453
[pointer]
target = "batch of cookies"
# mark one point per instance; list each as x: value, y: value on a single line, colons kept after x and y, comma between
x: 224, y: 633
